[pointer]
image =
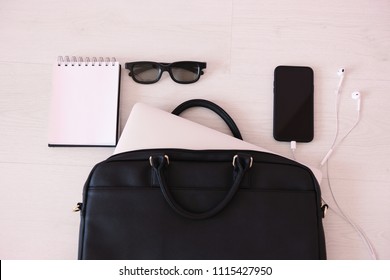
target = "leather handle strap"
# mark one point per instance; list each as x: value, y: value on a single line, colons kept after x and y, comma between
x: 213, y: 107
x: 241, y: 164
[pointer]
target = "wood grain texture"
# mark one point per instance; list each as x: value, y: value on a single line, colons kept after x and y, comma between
x: 242, y: 42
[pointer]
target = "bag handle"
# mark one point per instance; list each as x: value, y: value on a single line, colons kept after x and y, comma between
x: 241, y: 164
x: 213, y: 107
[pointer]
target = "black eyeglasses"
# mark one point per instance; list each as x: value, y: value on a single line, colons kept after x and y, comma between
x: 182, y: 72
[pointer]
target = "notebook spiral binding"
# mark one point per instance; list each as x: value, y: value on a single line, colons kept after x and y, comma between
x: 79, y: 61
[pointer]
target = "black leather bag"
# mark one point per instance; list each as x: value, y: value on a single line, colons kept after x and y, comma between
x: 209, y: 204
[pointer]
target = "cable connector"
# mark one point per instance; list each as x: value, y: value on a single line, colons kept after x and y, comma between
x: 293, y: 146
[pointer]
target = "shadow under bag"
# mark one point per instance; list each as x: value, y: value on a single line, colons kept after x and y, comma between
x: 201, y: 204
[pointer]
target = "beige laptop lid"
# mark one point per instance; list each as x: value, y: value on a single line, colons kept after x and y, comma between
x: 151, y: 128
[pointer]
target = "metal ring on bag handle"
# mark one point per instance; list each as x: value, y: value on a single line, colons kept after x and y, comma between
x: 234, y: 161
x: 241, y: 164
x: 151, y: 160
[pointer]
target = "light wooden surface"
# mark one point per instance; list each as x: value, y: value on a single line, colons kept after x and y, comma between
x: 242, y: 41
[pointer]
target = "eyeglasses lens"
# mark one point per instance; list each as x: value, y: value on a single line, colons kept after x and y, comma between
x: 185, y: 72
x: 146, y: 72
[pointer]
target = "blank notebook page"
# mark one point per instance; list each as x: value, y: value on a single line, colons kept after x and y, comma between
x: 84, y: 103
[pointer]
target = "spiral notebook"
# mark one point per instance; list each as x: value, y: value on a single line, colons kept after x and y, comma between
x: 84, y: 103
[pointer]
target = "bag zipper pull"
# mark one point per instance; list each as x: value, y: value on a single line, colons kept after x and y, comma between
x: 78, y: 207
x: 324, y: 208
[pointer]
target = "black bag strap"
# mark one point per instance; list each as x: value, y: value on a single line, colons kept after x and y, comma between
x: 241, y: 164
x: 213, y: 107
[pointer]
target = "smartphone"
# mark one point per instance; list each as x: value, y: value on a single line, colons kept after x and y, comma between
x: 293, y: 103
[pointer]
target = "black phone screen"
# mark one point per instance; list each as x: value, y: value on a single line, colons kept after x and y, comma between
x: 293, y: 104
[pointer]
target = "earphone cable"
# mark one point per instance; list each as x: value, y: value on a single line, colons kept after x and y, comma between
x: 361, y: 233
x: 342, y: 214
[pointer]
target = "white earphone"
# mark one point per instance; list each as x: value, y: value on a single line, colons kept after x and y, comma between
x: 340, y: 73
x: 356, y: 96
